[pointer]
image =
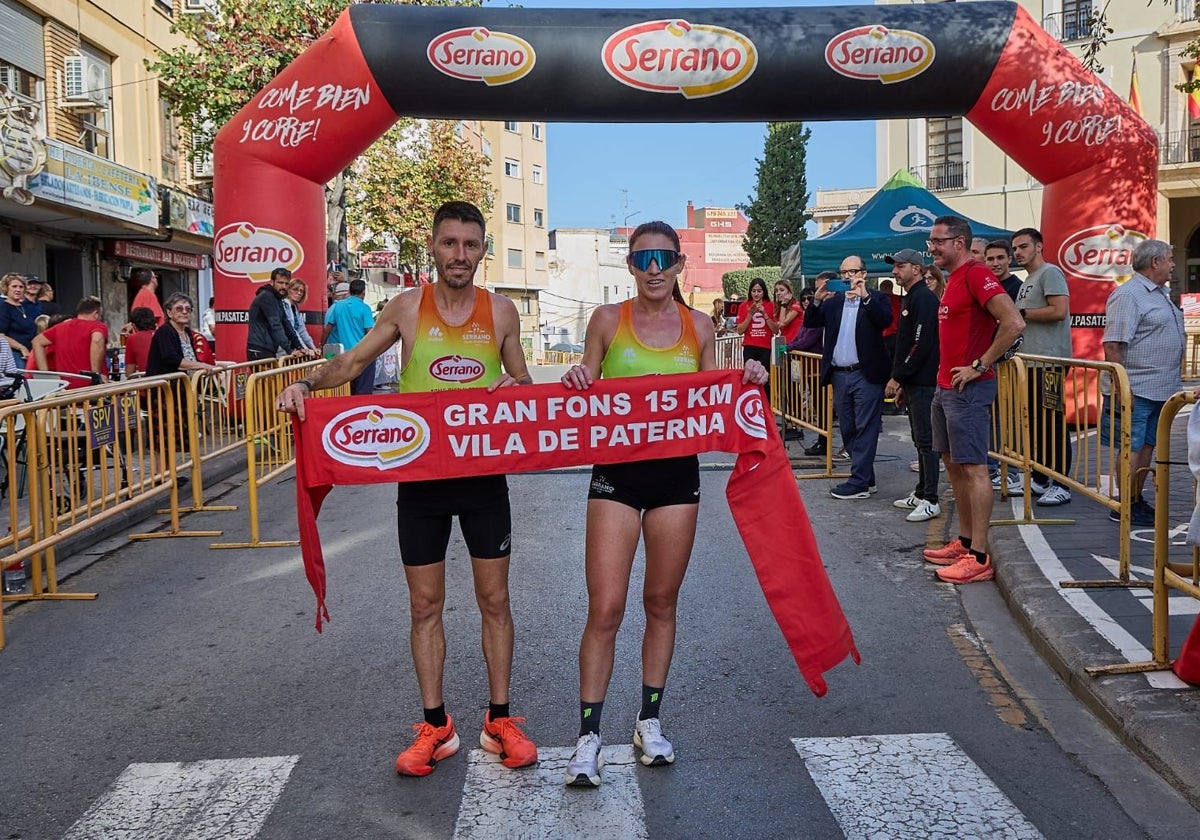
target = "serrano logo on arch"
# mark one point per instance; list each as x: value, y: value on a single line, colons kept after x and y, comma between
x: 477, y: 54
x: 674, y: 56
x: 242, y: 250
x: 876, y: 52
x: 1102, y: 252
x: 372, y: 436
x: 456, y: 369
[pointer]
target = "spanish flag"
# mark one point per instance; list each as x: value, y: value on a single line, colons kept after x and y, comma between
x: 1193, y: 98
x: 1135, y: 95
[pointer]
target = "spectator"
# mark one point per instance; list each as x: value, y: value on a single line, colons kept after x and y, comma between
x: 17, y: 315
x: 175, y: 345
x: 935, y: 280
x: 757, y: 326
x: 853, y: 359
x: 978, y: 322
x: 77, y: 344
x: 979, y: 249
x: 208, y: 325
x: 809, y: 340
x: 137, y: 344
x: 33, y: 293
x: 146, y: 282
x: 46, y: 298
x: 999, y: 255
x: 791, y: 321
x: 1045, y: 303
x: 349, y: 320
x: 1144, y: 332
x: 914, y: 378
x: 888, y: 288
x: 270, y: 332
x: 298, y: 294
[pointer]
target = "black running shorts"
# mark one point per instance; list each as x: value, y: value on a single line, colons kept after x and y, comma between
x: 645, y: 485
x: 425, y: 511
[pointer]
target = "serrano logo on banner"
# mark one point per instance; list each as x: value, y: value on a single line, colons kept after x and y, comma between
x: 1102, y: 252
x: 242, y: 250
x: 674, y: 56
x: 750, y: 416
x: 480, y: 55
x: 371, y: 436
x: 876, y: 52
x: 456, y: 369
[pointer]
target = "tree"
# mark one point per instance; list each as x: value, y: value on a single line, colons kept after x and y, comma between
x: 777, y: 211
x: 230, y: 56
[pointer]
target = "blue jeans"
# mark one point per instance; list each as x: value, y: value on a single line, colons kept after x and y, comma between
x: 860, y: 413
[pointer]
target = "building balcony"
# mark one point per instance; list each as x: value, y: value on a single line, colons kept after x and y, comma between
x: 1073, y: 24
x: 947, y: 176
x: 1179, y: 147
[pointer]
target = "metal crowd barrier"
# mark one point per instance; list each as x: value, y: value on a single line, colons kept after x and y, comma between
x: 560, y: 357
x: 1191, y: 358
x: 798, y: 396
x: 270, y: 448
x: 729, y: 351
x: 1181, y: 577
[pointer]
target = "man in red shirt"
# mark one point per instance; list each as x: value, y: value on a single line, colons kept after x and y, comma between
x: 977, y: 323
x: 147, y: 282
x: 78, y: 343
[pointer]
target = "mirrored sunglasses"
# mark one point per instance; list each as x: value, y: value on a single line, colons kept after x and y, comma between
x: 663, y: 256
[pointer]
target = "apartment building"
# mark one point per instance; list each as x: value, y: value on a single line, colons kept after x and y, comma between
x: 94, y: 173
x: 587, y: 269
x: 972, y: 175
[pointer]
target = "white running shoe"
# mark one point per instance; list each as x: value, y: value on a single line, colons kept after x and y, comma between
x: 1037, y: 488
x: 583, y: 770
x: 655, y: 749
x: 1055, y: 495
x: 909, y: 502
x: 926, y: 510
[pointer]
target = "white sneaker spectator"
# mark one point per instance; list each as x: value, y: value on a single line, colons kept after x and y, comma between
x: 1055, y: 495
x: 925, y: 511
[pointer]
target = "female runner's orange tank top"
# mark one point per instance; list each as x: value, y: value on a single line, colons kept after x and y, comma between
x: 627, y: 356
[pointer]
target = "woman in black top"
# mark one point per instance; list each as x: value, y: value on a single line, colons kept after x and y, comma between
x: 17, y: 324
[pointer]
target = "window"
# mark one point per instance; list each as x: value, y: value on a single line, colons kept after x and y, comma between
x: 1076, y: 19
x: 26, y: 88
x: 510, y: 125
x: 539, y: 218
x: 536, y: 129
x: 165, y: 7
x: 168, y: 126
x: 515, y: 258
x: 491, y: 245
x: 460, y: 129
x: 526, y: 306
x: 512, y: 168
x: 539, y: 260
x: 606, y: 294
x: 485, y: 147
x: 944, y: 154
x: 94, y: 133
x: 512, y: 212
x: 537, y: 174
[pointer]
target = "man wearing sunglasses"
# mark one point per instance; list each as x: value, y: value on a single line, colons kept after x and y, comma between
x: 853, y: 358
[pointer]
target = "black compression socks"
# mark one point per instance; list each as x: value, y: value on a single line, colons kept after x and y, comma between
x: 589, y: 717
x: 651, y: 700
x: 436, y: 717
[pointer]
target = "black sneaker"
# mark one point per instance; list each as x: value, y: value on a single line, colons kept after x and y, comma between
x: 816, y: 449
x: 1141, y: 514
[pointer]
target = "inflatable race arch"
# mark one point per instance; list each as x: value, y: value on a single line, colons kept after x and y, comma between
x: 988, y: 61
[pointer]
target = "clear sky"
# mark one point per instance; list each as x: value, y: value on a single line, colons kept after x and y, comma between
x: 596, y: 181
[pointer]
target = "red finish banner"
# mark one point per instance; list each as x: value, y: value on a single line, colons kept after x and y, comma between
x: 452, y: 434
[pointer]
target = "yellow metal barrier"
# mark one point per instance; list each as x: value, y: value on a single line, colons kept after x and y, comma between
x: 560, y: 357
x: 1182, y: 577
x: 269, y: 446
x: 798, y: 396
x: 92, y: 454
x: 1191, y: 358
x: 729, y: 351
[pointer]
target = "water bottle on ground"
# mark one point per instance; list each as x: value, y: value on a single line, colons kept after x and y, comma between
x: 15, y: 579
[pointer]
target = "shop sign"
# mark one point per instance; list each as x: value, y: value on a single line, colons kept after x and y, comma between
x: 725, y: 248
x: 189, y: 214
x: 76, y: 178
x: 22, y: 146
x: 140, y: 252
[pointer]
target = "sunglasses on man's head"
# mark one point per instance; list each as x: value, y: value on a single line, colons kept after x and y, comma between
x: 663, y: 256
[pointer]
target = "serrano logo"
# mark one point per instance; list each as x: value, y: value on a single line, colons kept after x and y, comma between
x: 456, y: 369
x: 480, y: 55
x: 242, y: 250
x: 876, y: 52
x: 1103, y: 252
x: 371, y: 436
x: 674, y: 56
x: 750, y: 416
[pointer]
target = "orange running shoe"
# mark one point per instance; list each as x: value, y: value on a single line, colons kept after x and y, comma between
x: 432, y: 744
x: 967, y: 570
x: 504, y: 738
x: 951, y: 552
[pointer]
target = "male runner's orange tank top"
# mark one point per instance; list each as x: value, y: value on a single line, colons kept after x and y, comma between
x: 445, y: 357
x: 627, y: 356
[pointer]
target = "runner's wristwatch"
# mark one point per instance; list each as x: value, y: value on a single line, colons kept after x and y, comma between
x: 979, y: 366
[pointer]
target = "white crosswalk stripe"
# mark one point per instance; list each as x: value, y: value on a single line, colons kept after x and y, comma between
x: 534, y: 802
x: 228, y: 798
x: 918, y: 786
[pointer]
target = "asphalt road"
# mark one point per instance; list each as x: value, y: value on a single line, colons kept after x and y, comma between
x: 194, y: 655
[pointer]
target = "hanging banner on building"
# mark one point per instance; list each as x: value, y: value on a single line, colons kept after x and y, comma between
x: 79, y: 179
x: 451, y: 434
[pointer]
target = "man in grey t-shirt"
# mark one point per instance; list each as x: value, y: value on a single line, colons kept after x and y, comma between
x: 1045, y: 302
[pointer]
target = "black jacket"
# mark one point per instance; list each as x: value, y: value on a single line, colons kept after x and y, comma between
x: 269, y: 329
x: 874, y: 316
x: 917, y: 338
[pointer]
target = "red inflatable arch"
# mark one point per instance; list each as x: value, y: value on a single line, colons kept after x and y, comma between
x: 988, y: 61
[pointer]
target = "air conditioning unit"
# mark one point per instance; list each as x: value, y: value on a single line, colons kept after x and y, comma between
x: 86, y: 82
x: 10, y: 78
x: 202, y: 168
x: 198, y: 7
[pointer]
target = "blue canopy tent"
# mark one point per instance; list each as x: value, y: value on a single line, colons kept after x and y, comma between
x: 899, y: 216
